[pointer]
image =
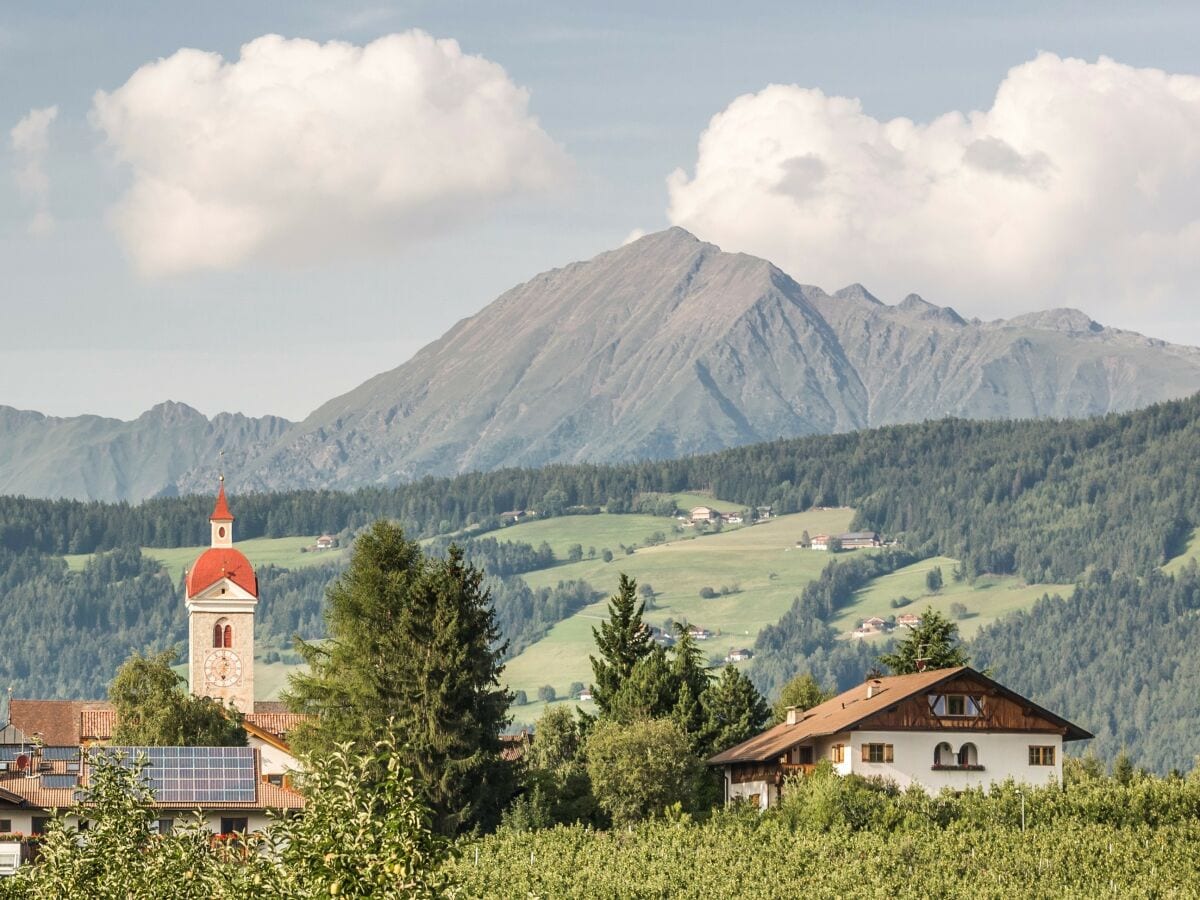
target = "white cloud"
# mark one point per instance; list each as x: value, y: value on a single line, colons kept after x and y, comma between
x: 300, y: 150
x: 31, y: 141
x: 633, y: 236
x: 1079, y: 186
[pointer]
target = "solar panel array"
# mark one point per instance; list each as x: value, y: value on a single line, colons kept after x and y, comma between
x: 60, y: 753
x: 60, y: 781
x: 10, y: 752
x: 196, y: 774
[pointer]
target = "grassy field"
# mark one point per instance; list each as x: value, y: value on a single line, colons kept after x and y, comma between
x: 1190, y: 551
x: 762, y: 561
x: 286, y: 552
x: 989, y: 598
x: 599, y: 532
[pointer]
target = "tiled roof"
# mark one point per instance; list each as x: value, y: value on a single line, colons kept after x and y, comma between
x: 216, y: 563
x: 97, y: 724
x: 22, y: 790
x: 846, y: 710
x: 277, y: 723
x: 57, y: 721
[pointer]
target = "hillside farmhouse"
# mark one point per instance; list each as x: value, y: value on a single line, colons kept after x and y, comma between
x: 940, y: 728
x: 704, y: 514
x: 851, y: 540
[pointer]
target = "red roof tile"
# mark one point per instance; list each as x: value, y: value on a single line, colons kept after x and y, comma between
x: 216, y: 563
x: 221, y: 511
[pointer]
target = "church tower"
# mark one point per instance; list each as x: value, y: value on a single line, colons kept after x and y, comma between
x: 222, y: 592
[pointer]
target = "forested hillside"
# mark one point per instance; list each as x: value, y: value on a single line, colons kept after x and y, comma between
x: 1103, y: 501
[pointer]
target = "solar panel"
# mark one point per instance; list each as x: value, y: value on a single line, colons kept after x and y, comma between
x: 10, y: 752
x: 196, y: 774
x: 60, y: 753
x: 60, y: 781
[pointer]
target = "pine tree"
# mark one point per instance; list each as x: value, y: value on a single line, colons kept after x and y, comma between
x: 734, y: 711
x: 934, y: 642
x: 414, y: 641
x: 650, y: 692
x: 692, y: 683
x: 621, y: 642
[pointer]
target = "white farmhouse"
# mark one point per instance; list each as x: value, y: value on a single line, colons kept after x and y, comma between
x: 940, y: 728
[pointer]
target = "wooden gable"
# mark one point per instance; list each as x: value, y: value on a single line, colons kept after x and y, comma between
x: 998, y: 710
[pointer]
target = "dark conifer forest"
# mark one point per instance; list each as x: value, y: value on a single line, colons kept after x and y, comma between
x: 1102, y: 503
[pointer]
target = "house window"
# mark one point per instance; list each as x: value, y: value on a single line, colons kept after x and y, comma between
x: 228, y: 635
x: 1041, y: 756
x: 234, y: 825
x: 5, y: 826
x: 837, y: 753
x: 39, y: 824
x: 877, y: 753
x: 166, y: 826
x: 217, y: 632
x: 956, y: 705
x: 276, y: 780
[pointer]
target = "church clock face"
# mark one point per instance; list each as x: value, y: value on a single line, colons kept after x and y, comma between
x: 222, y: 668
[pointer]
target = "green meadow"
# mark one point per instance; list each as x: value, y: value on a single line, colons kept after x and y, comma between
x: 1190, y: 551
x: 286, y: 552
x: 986, y: 600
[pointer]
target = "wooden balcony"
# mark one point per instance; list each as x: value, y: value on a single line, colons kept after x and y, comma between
x: 797, y: 768
x: 955, y: 768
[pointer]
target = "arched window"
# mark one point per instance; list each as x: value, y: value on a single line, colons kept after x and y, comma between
x: 943, y: 755
x: 218, y: 633
x: 968, y: 755
x: 222, y: 633
x: 228, y: 635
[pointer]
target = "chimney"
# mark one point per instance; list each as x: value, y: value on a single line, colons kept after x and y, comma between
x: 873, y: 688
x: 793, y: 715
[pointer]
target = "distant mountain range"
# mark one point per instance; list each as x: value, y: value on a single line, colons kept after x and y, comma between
x: 664, y: 347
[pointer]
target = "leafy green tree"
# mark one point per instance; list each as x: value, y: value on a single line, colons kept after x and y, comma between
x: 520, y: 698
x: 547, y: 694
x: 606, y: 555
x: 621, y: 641
x: 558, y: 786
x: 933, y: 644
x: 933, y: 579
x: 640, y: 769
x: 365, y: 831
x: 802, y: 692
x: 959, y: 610
x: 154, y: 709
x: 412, y: 640
x: 575, y: 552
x: 734, y: 711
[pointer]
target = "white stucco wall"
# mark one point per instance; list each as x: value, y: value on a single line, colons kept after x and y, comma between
x: 272, y: 760
x: 1003, y: 756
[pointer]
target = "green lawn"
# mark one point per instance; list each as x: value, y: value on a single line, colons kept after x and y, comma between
x: 601, y: 531
x: 285, y: 552
x: 989, y: 598
x: 1190, y: 551
x: 763, y: 561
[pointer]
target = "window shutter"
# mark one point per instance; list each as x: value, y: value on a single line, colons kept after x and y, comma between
x: 887, y: 753
x: 866, y: 752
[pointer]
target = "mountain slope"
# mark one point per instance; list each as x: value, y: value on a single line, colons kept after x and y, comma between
x: 662, y: 348
x: 169, y: 449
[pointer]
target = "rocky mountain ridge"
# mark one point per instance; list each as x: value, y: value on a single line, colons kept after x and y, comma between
x: 661, y: 348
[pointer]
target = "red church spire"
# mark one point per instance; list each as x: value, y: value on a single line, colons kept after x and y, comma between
x: 221, y: 511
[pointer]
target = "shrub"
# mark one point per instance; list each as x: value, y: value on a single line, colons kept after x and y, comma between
x: 707, y: 592
x: 546, y: 693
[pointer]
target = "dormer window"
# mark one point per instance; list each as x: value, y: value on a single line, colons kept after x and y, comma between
x: 953, y: 706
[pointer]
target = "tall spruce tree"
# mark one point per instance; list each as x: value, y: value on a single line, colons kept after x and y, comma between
x: 933, y: 644
x: 734, y: 711
x: 412, y: 640
x: 692, y: 683
x: 621, y: 642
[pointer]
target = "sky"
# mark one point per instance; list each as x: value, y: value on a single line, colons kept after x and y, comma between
x: 256, y: 207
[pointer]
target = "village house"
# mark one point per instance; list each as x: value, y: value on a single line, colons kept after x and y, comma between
x: 48, y: 746
x: 941, y: 728
x: 739, y: 655
x: 858, y: 540
x: 908, y: 620
x: 733, y: 519
x: 704, y: 514
x: 326, y: 542
x: 699, y: 634
x: 763, y: 512
x: 585, y: 696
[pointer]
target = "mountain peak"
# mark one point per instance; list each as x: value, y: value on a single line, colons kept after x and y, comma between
x: 1064, y: 319
x: 857, y: 292
x: 922, y: 308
